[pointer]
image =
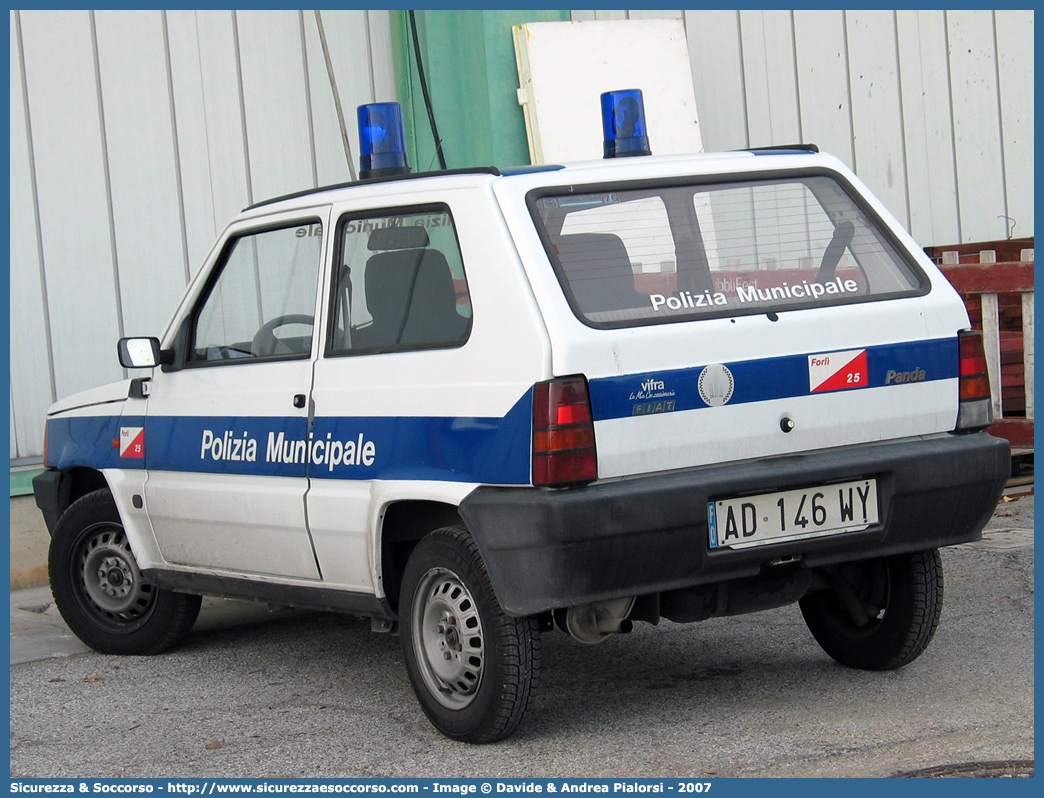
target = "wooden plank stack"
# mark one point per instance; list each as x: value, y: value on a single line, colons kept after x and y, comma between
x: 996, y: 281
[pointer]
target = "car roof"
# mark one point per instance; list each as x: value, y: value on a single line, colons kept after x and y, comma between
x: 589, y: 169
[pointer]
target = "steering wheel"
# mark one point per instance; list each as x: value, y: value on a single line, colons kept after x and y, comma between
x: 265, y: 341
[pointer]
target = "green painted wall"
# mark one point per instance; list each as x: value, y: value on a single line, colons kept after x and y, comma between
x: 469, y: 64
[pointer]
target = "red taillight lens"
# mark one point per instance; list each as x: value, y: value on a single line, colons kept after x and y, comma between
x: 563, y: 433
x: 974, y: 379
x: 975, y: 409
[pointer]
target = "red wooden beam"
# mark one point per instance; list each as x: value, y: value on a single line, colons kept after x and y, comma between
x: 990, y: 278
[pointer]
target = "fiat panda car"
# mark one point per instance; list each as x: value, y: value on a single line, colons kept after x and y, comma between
x: 476, y: 405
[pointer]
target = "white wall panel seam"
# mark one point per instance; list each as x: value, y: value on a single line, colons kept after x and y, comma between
x: 242, y: 108
x: 41, y: 262
x: 1015, y: 58
x: 380, y: 61
x: 107, y: 178
x: 953, y: 127
x: 370, y: 71
x: 177, y: 148
x: 848, y: 83
x: 13, y: 443
x: 308, y: 100
x: 1000, y: 119
x: 797, y: 79
x: 743, y: 80
x: 902, y: 121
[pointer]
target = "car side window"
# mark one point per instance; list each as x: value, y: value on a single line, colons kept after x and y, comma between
x: 400, y: 284
x: 262, y: 302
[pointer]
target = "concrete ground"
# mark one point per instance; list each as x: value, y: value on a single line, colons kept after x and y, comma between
x: 29, y: 542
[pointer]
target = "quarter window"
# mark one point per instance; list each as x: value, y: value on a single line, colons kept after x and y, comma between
x: 400, y: 284
x: 262, y: 304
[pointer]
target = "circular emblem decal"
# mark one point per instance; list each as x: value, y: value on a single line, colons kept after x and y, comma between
x: 716, y: 384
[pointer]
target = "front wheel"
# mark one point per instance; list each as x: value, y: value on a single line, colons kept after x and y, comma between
x: 100, y: 591
x: 474, y: 668
x: 878, y: 614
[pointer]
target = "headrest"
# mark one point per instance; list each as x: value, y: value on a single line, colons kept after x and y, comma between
x: 386, y: 238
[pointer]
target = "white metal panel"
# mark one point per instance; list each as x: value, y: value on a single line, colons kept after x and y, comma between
x: 613, y: 13
x: 192, y: 142
x: 976, y: 125
x: 822, y: 75
x: 652, y: 14
x: 565, y: 66
x: 275, y: 102
x: 30, y: 375
x: 12, y: 444
x: 70, y: 174
x: 877, y: 119
x: 769, y: 78
x: 928, y: 135
x: 210, y: 124
x: 1015, y: 70
x: 382, y: 64
x: 717, y: 74
x: 142, y: 172
x: 347, y: 36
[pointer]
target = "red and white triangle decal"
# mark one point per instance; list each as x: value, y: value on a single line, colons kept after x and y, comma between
x: 132, y: 441
x: 837, y: 371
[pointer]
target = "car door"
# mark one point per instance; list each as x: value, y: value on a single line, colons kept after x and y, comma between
x: 227, y: 430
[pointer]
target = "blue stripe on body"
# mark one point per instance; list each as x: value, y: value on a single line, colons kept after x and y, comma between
x: 492, y: 451
x: 767, y: 379
x: 91, y: 441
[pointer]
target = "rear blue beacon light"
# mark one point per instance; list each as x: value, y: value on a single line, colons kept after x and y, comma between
x: 623, y: 124
x: 382, y: 142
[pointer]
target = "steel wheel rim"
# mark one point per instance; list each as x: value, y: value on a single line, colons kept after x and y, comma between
x: 112, y: 588
x: 448, y: 639
x: 875, y: 587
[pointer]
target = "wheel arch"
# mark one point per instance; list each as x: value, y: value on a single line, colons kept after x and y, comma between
x: 404, y: 523
x: 65, y: 487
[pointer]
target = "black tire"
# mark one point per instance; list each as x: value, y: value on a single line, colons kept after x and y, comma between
x: 99, y: 590
x: 474, y: 668
x: 901, y: 597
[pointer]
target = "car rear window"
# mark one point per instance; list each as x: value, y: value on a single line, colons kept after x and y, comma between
x: 649, y: 254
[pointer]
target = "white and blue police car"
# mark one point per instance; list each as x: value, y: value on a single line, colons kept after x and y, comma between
x: 475, y: 404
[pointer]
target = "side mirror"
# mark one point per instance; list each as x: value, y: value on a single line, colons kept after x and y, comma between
x: 140, y: 353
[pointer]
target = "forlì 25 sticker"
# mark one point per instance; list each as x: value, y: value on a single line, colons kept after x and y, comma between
x: 838, y: 371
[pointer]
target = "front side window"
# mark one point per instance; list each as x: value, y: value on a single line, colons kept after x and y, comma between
x: 262, y: 303
x: 648, y: 255
x: 400, y: 284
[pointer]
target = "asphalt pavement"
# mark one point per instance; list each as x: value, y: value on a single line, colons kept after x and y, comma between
x: 254, y: 694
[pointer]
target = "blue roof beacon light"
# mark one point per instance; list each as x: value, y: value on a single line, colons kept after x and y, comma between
x: 382, y: 141
x: 623, y: 124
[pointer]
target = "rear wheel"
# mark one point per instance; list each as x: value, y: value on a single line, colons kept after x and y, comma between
x: 878, y: 614
x: 474, y: 668
x: 100, y: 591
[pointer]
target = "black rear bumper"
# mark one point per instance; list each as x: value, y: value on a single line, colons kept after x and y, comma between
x: 546, y: 549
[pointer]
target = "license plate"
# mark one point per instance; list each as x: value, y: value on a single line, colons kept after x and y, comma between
x: 792, y: 515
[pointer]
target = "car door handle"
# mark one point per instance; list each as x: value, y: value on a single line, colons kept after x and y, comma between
x: 299, y: 400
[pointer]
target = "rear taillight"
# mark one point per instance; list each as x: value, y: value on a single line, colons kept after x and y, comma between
x: 563, y: 433
x: 976, y: 407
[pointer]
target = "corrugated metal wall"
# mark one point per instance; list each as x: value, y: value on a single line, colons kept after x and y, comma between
x: 933, y: 109
x: 135, y: 136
